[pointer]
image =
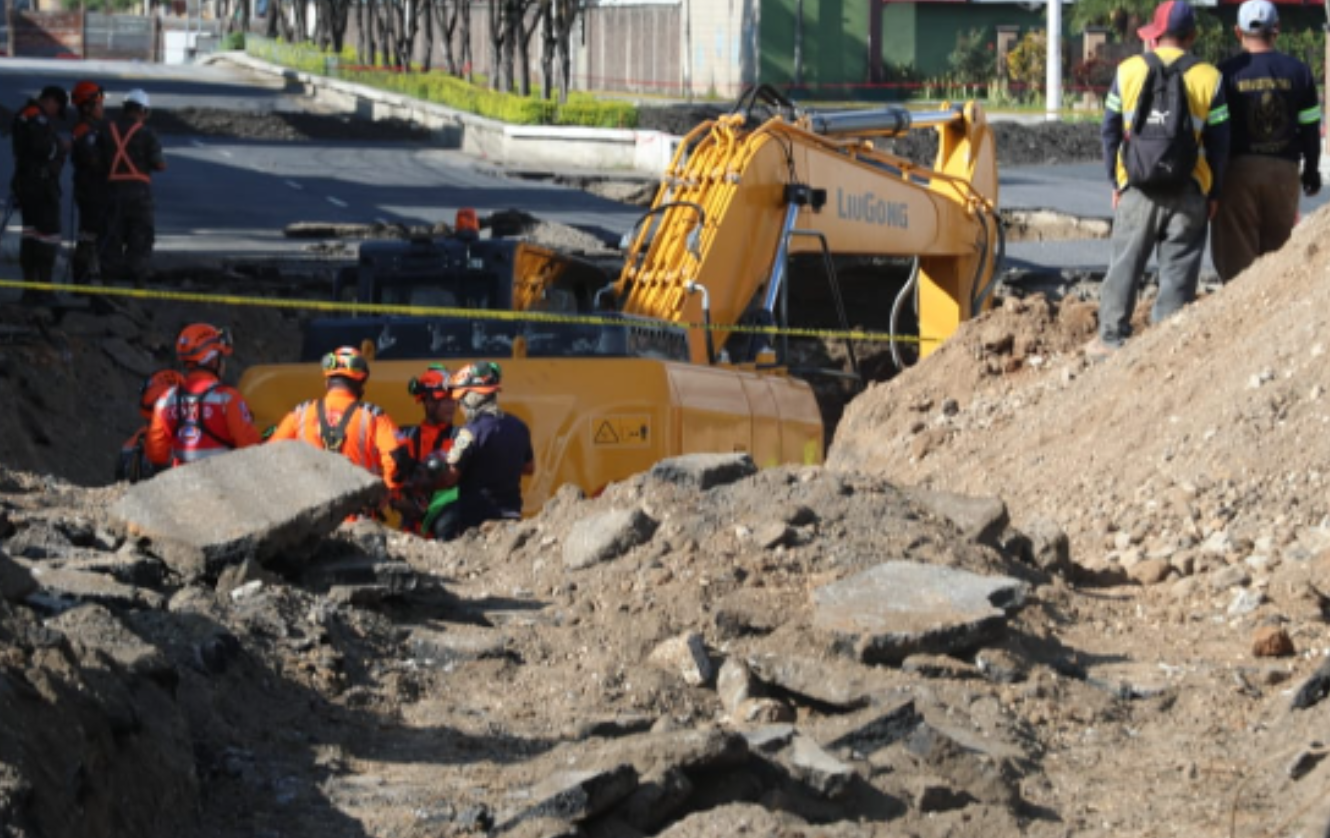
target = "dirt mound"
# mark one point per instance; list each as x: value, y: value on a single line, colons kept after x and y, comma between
x: 1019, y: 144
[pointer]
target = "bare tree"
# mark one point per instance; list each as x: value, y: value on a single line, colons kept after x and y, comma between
x: 404, y: 26
x: 559, y: 20
x: 500, y: 41
x: 330, y: 30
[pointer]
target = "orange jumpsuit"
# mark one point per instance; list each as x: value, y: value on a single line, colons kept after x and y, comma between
x: 370, y: 436
x: 200, y: 419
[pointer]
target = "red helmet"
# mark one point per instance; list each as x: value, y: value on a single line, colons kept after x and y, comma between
x: 432, y: 386
x: 200, y: 344
x: 85, y: 93
x: 345, y: 362
x: 480, y: 377
x: 154, y: 387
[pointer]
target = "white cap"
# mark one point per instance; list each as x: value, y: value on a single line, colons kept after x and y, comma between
x: 137, y: 97
x: 1258, y: 17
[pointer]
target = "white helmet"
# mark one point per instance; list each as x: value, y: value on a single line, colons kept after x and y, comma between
x: 137, y: 97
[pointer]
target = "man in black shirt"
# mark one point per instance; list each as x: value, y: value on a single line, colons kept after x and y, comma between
x: 39, y: 155
x: 1275, y: 115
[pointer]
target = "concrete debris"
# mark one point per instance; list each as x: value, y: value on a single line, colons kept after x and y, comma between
x: 815, y: 768
x: 981, y: 520
x: 704, y: 471
x: 898, y: 609
x: 15, y: 580
x: 267, y: 502
x: 457, y: 645
x: 968, y: 768
x: 735, y: 685
x: 95, y: 629
x: 1272, y: 642
x: 576, y: 796
x: 66, y: 588
x: 1314, y: 689
x: 685, y: 655
x: 835, y: 685
x: 605, y: 537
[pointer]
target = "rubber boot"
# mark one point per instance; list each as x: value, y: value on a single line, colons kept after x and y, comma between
x: 44, y: 258
x: 27, y: 264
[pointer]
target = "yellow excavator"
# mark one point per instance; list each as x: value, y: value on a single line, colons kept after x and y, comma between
x: 683, y: 352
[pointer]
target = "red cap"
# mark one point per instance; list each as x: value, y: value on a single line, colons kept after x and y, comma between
x: 1174, y: 17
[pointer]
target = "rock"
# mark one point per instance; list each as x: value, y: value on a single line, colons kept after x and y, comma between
x: 1050, y: 549
x: 655, y: 801
x: 685, y: 655
x: 576, y: 795
x: 1130, y: 680
x: 457, y: 645
x: 397, y: 577
x: 999, y: 666
x: 893, y: 723
x: 704, y: 471
x: 830, y: 683
x: 605, y: 537
x: 773, y: 534
x: 276, y: 500
x: 128, y: 566
x: 15, y: 581
x: 687, y: 750
x: 1245, y: 601
x: 969, y: 770
x: 734, y: 685
x: 763, y: 711
x: 898, y: 609
x: 243, y: 575
x: 1313, y: 690
x: 95, y: 629
x: 815, y: 768
x: 1272, y: 642
x: 1229, y: 577
x: 769, y: 738
x: 69, y: 587
x: 1150, y: 571
x: 981, y: 520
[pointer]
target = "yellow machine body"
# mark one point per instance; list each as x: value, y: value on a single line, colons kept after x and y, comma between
x: 594, y: 421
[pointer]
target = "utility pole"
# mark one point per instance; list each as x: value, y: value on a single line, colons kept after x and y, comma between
x: 1053, y: 82
x: 799, y: 43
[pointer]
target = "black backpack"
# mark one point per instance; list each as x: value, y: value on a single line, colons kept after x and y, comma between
x: 1160, y: 149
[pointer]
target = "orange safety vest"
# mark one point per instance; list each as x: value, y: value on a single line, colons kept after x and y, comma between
x: 122, y: 165
x: 356, y: 429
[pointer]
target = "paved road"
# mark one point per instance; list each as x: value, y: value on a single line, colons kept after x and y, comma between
x: 236, y: 196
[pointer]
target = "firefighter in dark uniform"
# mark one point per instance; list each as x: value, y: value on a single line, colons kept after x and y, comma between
x: 489, y: 455
x: 39, y: 154
x: 92, y: 193
x: 131, y: 153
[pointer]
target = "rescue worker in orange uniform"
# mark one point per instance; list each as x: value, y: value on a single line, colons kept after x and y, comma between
x: 422, y: 452
x: 131, y: 153
x: 92, y: 192
x: 202, y: 417
x: 489, y: 455
x: 133, y: 463
x: 342, y: 421
x: 39, y: 155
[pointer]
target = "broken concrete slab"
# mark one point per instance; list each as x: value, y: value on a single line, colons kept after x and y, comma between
x: 685, y: 655
x: 980, y: 519
x: 985, y: 777
x: 870, y: 730
x: 265, y: 502
x: 66, y: 588
x: 605, y: 537
x: 834, y: 684
x: 897, y: 609
x: 576, y: 796
x: 129, y: 567
x: 939, y: 666
x: 1130, y: 679
x: 398, y: 577
x: 704, y: 471
x: 734, y: 684
x: 816, y: 769
x: 769, y: 738
x: 16, y: 581
x: 656, y: 800
x: 658, y: 751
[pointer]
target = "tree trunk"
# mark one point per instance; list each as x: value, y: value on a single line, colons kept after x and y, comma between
x: 468, y: 62
x: 526, y: 30
x: 549, y: 47
x: 447, y: 17
x: 427, y: 9
x: 569, y: 11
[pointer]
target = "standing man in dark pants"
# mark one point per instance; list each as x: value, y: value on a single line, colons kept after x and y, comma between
x: 1276, y: 117
x: 131, y: 152
x: 92, y: 193
x: 39, y: 154
x: 1167, y: 221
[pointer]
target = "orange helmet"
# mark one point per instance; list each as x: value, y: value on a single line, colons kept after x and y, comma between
x: 432, y: 386
x: 154, y: 387
x: 85, y: 93
x: 200, y: 344
x: 480, y: 377
x: 345, y: 362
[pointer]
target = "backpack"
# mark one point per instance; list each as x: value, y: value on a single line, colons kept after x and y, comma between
x: 1160, y: 150
x: 189, y: 414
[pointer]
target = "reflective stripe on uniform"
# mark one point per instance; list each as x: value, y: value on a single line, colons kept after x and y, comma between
x: 1309, y: 116
x: 118, y: 172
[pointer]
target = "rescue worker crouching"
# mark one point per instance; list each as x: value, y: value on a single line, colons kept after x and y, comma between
x: 133, y: 463
x: 343, y: 422
x: 489, y: 455
x: 131, y: 152
x: 92, y: 192
x: 39, y: 155
x: 202, y: 417
x: 421, y: 457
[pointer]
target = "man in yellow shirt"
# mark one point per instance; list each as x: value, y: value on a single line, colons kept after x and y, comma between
x: 1168, y: 221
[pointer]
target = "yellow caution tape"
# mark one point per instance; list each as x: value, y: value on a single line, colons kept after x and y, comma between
x: 355, y: 309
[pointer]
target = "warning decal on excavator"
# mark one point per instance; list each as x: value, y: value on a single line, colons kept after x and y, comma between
x: 621, y: 431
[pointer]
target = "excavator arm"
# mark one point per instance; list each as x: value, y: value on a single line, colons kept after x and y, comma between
x: 737, y: 201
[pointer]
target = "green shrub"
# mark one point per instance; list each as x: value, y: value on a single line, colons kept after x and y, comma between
x: 234, y: 41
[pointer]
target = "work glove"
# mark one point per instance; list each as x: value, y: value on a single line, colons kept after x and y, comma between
x: 1311, y: 182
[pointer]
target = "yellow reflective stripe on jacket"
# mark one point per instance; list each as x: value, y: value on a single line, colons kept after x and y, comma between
x: 1309, y: 116
x: 1203, y: 82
